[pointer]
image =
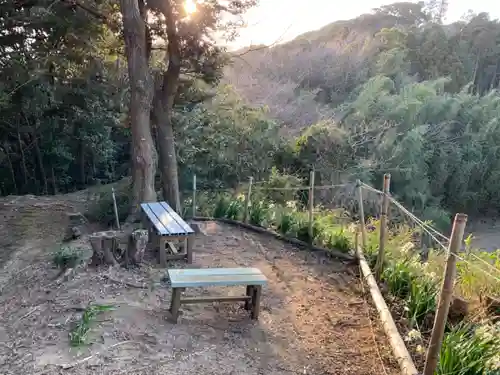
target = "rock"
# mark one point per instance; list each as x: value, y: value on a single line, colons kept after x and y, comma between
x: 492, y: 305
x: 459, y: 309
x: 76, y: 233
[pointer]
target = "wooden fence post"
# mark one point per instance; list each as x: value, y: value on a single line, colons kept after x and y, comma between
x: 311, y: 206
x: 361, y: 215
x: 379, y: 266
x: 446, y: 295
x: 247, y: 200
x: 194, y: 195
x: 115, y: 208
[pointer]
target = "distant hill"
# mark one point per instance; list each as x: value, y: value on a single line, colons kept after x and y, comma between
x: 302, y: 81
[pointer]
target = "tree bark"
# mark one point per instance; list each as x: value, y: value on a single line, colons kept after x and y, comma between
x: 23, y: 163
x: 162, y: 111
x: 6, y: 149
x: 41, y: 168
x: 143, y: 152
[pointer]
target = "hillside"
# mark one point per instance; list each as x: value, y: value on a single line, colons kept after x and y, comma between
x: 305, y: 80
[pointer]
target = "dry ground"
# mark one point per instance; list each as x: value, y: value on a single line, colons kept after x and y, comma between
x: 314, y: 319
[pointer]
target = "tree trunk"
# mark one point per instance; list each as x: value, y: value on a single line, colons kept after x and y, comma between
x: 162, y: 112
x: 81, y: 163
x: 23, y: 164
x: 11, y: 167
x: 53, y: 179
x: 41, y: 168
x: 168, y: 158
x: 143, y: 151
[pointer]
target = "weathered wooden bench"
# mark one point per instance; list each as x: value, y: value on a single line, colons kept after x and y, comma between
x: 181, y: 279
x: 166, y: 226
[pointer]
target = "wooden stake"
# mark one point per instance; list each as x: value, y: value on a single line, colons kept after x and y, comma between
x: 194, y: 195
x: 379, y: 266
x: 247, y: 200
x: 115, y: 208
x: 311, y: 205
x: 446, y: 295
x: 361, y: 215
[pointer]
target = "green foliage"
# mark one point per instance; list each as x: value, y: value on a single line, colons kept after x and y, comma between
x: 102, y: 210
x: 221, y: 206
x: 259, y: 213
x: 339, y: 240
x: 235, y: 210
x: 286, y: 222
x: 470, y: 350
x: 398, y: 278
x: 421, y: 300
x: 66, y: 257
x: 78, y: 336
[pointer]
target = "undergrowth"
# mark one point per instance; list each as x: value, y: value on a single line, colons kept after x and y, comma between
x: 468, y: 349
x: 78, y: 336
x: 328, y: 227
x: 66, y: 257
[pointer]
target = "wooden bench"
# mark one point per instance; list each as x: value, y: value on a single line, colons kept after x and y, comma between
x: 165, y: 226
x: 181, y: 279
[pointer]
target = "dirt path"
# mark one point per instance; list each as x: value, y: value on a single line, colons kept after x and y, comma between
x: 313, y: 321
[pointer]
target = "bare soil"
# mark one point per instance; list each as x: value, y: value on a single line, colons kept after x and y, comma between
x: 315, y: 318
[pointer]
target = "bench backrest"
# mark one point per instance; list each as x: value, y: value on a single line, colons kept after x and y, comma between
x: 166, y: 221
x: 186, y: 278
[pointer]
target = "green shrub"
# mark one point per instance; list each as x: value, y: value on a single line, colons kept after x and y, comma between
x: 339, y: 240
x: 102, y: 210
x: 234, y: 210
x: 421, y: 300
x: 259, y: 211
x: 66, y: 257
x: 221, y: 206
x: 286, y: 222
x: 79, y: 334
x: 469, y: 350
x: 398, y: 278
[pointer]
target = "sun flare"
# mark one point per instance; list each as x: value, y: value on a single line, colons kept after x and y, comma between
x: 190, y: 6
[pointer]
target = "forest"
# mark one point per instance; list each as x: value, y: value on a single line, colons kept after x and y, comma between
x: 82, y: 83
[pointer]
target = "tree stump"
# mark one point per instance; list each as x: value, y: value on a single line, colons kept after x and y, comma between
x: 106, y: 247
x: 76, y: 222
x: 137, y: 242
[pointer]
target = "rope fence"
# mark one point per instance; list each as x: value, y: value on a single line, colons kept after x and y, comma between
x: 354, y: 195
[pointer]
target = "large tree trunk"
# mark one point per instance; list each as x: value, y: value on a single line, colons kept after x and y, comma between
x: 162, y: 111
x: 41, y: 168
x: 166, y: 145
x: 143, y: 151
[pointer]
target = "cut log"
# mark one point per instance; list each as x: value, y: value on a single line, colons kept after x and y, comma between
x: 137, y: 242
x: 106, y: 247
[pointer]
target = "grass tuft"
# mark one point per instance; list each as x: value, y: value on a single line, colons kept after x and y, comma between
x: 79, y: 334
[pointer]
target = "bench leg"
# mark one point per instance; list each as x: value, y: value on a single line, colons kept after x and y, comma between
x: 189, y: 249
x: 175, y: 303
x: 257, y: 291
x: 248, y: 303
x: 162, y: 251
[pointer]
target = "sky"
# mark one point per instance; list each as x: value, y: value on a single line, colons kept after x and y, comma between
x: 282, y: 20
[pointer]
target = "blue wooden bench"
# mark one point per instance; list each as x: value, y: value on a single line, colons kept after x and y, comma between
x: 181, y: 279
x: 166, y: 226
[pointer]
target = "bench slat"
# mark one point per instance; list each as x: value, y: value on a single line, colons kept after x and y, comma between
x: 162, y: 230
x: 166, y: 219
x: 173, y: 273
x: 177, y: 218
x: 187, y: 280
